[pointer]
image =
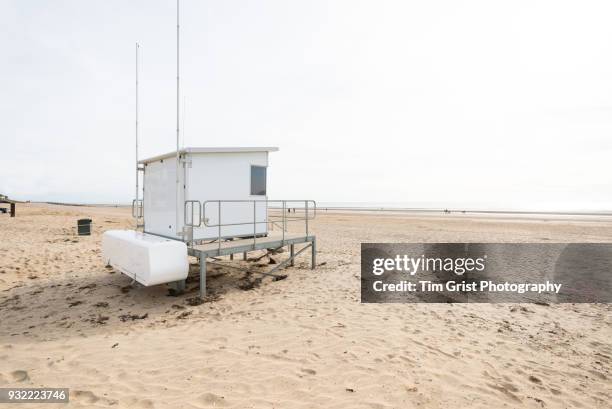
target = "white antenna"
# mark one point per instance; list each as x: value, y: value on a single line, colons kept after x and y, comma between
x: 184, y: 141
x: 177, y: 120
x: 137, y: 203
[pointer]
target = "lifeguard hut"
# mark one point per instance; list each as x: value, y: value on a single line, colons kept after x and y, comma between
x: 204, y: 202
x: 214, y: 203
x: 204, y: 176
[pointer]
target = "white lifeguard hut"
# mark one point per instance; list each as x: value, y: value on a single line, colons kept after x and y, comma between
x: 204, y: 202
x: 217, y: 206
x: 206, y: 175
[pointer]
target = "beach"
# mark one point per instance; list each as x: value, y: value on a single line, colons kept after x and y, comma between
x: 305, y: 341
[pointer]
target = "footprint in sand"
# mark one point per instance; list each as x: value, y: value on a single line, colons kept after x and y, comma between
x: 20, y: 376
x: 145, y: 404
x: 211, y: 400
x: 534, y: 379
x: 85, y: 396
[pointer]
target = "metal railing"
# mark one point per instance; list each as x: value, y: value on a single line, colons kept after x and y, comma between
x: 308, y: 207
x: 192, y: 202
x: 137, y: 205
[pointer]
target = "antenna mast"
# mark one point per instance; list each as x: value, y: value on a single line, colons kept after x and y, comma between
x: 177, y: 121
x: 137, y: 202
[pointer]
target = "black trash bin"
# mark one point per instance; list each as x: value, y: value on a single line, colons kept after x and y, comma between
x: 84, y: 227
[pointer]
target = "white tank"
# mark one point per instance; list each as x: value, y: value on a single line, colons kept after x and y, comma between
x: 148, y: 259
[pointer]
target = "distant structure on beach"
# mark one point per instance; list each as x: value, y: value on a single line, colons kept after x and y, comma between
x: 5, y: 199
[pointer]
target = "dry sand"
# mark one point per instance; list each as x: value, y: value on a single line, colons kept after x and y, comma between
x: 303, y: 342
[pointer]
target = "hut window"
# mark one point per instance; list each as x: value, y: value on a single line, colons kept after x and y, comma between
x: 258, y: 180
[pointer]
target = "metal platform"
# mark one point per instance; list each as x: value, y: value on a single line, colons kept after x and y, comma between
x: 273, y: 240
x: 287, y: 211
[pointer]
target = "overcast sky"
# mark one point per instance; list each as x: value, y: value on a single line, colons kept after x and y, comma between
x: 451, y: 103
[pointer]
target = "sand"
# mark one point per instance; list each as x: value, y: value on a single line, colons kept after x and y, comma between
x: 302, y: 342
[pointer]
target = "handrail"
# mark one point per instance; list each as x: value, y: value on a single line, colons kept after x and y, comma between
x: 283, y: 217
x: 308, y: 206
x: 192, y: 224
x: 137, y: 208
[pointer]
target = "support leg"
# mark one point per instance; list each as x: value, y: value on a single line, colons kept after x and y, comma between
x: 202, y: 277
x: 313, y: 250
x: 178, y: 286
x: 244, y: 256
x: 231, y: 256
x: 292, y: 253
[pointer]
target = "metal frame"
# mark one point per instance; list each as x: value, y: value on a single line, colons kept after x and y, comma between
x: 243, y: 247
x: 310, y: 209
x: 202, y: 255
